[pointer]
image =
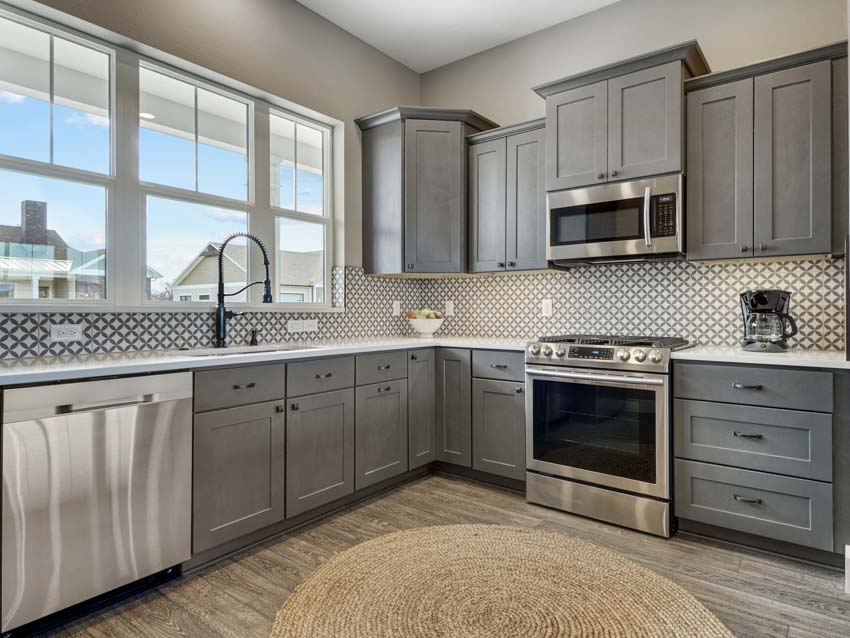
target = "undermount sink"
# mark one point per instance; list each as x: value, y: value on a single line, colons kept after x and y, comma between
x: 243, y: 350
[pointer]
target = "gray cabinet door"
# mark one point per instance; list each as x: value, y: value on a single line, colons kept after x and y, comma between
x: 525, y: 237
x: 498, y: 427
x: 319, y: 450
x: 577, y: 137
x: 380, y: 432
x: 238, y: 472
x: 454, y: 414
x: 792, y: 161
x: 434, y: 196
x: 421, y: 408
x: 487, y: 206
x: 720, y: 171
x: 645, y: 122
x: 840, y: 164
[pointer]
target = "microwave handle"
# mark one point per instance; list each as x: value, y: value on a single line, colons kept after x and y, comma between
x: 647, y: 232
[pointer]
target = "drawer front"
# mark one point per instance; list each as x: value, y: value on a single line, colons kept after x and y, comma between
x: 231, y: 387
x: 780, y: 441
x: 321, y: 375
x: 779, y: 507
x: 383, y: 366
x: 498, y: 364
x: 770, y: 387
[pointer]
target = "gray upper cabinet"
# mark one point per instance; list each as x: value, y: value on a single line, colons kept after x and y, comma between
x: 380, y: 432
x: 507, y: 199
x: 454, y: 412
x: 319, y: 450
x: 577, y: 137
x: 793, y: 161
x: 720, y: 163
x: 414, y: 189
x: 238, y: 472
x: 645, y: 122
x: 498, y: 427
x: 421, y: 424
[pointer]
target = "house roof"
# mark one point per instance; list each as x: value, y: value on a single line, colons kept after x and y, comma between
x: 12, y: 235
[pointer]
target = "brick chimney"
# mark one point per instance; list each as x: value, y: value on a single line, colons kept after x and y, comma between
x: 33, y: 222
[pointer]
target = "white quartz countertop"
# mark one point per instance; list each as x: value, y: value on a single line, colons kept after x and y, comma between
x: 48, y: 369
x: 802, y: 358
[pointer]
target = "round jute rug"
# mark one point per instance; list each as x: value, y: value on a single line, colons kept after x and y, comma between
x: 485, y: 581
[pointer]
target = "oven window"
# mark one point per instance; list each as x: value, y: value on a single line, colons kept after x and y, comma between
x: 590, y: 223
x: 602, y: 429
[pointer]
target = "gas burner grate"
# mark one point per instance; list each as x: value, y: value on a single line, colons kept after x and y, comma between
x: 610, y: 340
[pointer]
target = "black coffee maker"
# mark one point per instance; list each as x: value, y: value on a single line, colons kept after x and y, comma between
x: 766, y: 320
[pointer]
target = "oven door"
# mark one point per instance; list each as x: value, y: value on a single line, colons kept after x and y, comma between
x: 606, y: 428
x: 615, y: 220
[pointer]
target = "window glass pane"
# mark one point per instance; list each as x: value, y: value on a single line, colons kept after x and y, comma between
x: 301, y: 261
x: 167, y: 130
x: 80, y: 106
x: 222, y: 146
x: 24, y: 91
x: 52, y: 238
x: 182, y: 250
x: 282, y: 145
x: 309, y: 181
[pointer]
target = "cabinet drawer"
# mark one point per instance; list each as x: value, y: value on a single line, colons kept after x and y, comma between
x: 498, y: 364
x: 750, y: 385
x: 231, y: 387
x: 780, y: 441
x: 321, y: 375
x: 779, y: 507
x: 382, y: 366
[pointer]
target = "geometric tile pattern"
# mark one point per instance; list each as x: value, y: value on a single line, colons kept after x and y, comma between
x: 695, y: 301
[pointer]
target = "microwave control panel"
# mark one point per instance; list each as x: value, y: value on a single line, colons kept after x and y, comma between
x: 665, y: 215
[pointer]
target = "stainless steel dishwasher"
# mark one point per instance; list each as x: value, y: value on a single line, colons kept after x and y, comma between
x: 96, y: 489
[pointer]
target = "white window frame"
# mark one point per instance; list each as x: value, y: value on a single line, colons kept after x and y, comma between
x: 126, y: 194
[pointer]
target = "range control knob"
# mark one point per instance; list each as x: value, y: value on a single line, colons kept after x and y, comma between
x: 640, y: 355
x: 534, y: 349
x: 655, y: 356
x: 560, y: 351
x: 623, y: 355
x: 547, y: 351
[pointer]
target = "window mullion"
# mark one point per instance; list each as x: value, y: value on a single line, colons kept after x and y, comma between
x: 196, y: 139
x: 260, y: 220
x: 50, y: 72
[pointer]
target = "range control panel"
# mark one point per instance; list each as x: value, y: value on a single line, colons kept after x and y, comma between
x: 665, y: 215
x: 598, y: 354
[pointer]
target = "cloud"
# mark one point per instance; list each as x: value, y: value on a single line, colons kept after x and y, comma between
x: 11, y: 98
x: 90, y: 119
x: 224, y: 215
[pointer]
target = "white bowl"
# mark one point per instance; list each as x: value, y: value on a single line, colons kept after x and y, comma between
x: 425, y: 328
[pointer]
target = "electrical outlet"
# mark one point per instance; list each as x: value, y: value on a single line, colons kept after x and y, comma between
x: 294, y: 325
x: 396, y: 309
x: 310, y: 325
x: 450, y: 309
x: 63, y: 332
x: 546, y: 308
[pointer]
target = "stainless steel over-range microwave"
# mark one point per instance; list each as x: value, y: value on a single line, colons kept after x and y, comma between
x: 628, y: 220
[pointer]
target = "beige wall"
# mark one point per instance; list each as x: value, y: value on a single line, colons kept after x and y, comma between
x: 731, y: 33
x: 277, y: 46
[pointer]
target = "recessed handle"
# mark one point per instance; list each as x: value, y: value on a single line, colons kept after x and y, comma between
x: 744, y: 435
x: 326, y: 375
x: 499, y: 366
x: 747, y: 499
x: 244, y: 386
x: 745, y: 386
x: 385, y: 367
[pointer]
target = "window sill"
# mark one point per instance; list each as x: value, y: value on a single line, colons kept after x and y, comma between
x: 72, y: 308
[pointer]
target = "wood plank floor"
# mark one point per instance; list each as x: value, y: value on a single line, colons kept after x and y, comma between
x: 753, y: 593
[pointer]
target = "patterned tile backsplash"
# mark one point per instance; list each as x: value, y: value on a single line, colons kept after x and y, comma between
x: 696, y: 301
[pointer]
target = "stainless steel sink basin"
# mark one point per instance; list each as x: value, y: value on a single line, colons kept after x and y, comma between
x: 243, y: 350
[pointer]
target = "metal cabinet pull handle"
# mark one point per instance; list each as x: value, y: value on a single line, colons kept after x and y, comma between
x: 614, y: 173
x: 744, y: 386
x: 326, y: 375
x: 499, y: 366
x: 245, y: 386
x: 500, y: 264
x: 511, y: 264
x: 278, y: 408
x: 600, y: 176
x: 413, y: 357
x: 386, y: 389
x: 763, y: 247
x: 747, y: 499
x: 744, y: 435
x: 744, y: 248
x: 294, y: 407
x: 519, y: 390
x: 386, y: 367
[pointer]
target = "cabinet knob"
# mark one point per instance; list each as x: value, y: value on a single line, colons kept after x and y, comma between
x: 613, y: 173
x: 744, y: 248
x: 294, y: 407
x: 278, y: 408
x: 600, y: 176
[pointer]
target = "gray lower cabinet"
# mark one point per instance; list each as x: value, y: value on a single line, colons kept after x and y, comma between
x: 454, y: 412
x: 319, y: 450
x: 238, y: 472
x: 498, y: 427
x: 380, y: 432
x: 421, y: 408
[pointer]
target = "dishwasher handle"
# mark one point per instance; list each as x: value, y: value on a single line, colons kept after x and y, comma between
x: 74, y: 408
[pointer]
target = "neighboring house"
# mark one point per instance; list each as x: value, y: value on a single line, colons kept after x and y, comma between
x: 301, y: 275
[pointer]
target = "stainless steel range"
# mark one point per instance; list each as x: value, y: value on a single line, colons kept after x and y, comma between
x: 598, y: 427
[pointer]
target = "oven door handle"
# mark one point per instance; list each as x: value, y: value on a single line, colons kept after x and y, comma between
x: 647, y: 232
x: 602, y: 378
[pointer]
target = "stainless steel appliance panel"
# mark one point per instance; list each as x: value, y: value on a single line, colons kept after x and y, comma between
x: 96, y: 489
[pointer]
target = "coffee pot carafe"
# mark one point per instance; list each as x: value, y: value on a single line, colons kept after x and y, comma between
x: 767, y: 324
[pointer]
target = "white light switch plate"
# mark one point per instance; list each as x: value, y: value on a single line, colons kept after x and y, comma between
x: 546, y: 308
x: 294, y: 325
x: 63, y: 332
x: 450, y: 309
x: 396, y: 308
x: 310, y: 325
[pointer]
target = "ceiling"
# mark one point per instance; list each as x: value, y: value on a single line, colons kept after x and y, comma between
x: 426, y: 35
